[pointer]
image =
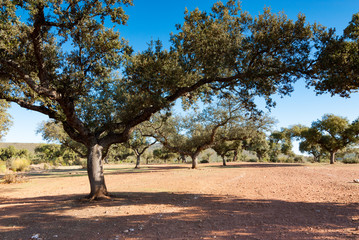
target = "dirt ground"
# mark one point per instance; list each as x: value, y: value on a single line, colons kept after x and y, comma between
x: 240, y: 201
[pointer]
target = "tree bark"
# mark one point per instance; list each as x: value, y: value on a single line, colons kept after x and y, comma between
x: 224, y: 160
x: 194, y: 161
x: 95, y: 173
x: 332, y: 157
x: 235, y: 157
x: 183, y: 157
x: 138, y: 161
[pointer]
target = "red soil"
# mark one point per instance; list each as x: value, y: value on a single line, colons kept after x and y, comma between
x: 240, y: 201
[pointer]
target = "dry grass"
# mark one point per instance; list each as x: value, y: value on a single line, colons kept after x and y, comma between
x: 14, y: 178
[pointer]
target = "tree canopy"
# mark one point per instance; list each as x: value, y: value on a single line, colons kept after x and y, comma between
x: 5, y: 118
x: 337, y: 60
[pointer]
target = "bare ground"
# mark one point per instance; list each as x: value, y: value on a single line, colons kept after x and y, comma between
x: 241, y: 201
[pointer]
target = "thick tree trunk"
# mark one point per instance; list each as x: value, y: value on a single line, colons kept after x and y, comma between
x: 138, y: 161
x: 95, y: 173
x: 194, y: 161
x: 332, y: 157
x: 224, y: 160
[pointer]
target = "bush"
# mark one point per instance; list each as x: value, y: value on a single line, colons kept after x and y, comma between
x: 252, y: 160
x: 204, y: 161
x: 19, y: 164
x: 350, y: 160
x: 2, y: 167
x: 14, y: 178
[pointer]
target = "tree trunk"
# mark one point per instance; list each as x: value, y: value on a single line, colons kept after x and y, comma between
x: 183, y: 157
x: 95, y: 173
x: 138, y: 161
x: 194, y: 161
x: 235, y: 157
x: 224, y: 160
x: 259, y: 156
x: 332, y: 157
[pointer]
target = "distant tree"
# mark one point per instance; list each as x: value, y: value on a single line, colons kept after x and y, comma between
x: 258, y: 144
x: 308, y: 141
x: 164, y: 154
x: 12, y: 152
x: 223, y: 149
x: 331, y: 133
x: 283, y: 139
x: 225, y: 50
x: 118, y: 152
x: 53, y: 132
x: 190, y: 135
x: 5, y: 118
x: 244, y: 134
x: 139, y: 144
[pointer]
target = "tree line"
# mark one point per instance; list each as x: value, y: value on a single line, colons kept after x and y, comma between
x: 99, y: 90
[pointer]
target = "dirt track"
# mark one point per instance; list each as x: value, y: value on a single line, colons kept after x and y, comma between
x: 241, y: 201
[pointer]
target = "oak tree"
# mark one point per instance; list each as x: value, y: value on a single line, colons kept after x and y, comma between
x: 64, y: 59
x: 331, y: 134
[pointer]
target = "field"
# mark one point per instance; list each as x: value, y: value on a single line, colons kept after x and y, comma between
x: 241, y: 201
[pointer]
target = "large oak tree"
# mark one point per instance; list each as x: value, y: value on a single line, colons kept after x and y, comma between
x: 64, y: 59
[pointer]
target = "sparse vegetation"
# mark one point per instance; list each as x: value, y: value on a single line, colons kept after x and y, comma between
x: 14, y: 178
x: 19, y: 164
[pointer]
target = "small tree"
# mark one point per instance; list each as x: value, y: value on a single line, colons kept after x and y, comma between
x: 331, y: 133
x: 164, y: 154
x: 139, y: 144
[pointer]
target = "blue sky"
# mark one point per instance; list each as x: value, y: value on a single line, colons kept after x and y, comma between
x: 156, y: 20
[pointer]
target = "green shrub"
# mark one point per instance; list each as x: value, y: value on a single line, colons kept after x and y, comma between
x: 19, y: 164
x: 252, y: 160
x: 350, y: 160
x: 204, y: 161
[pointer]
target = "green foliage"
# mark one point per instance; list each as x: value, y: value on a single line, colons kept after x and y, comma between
x: 19, y: 164
x: 164, y: 154
x: 336, y: 67
x: 204, y: 161
x: 12, y: 152
x: 2, y: 166
x: 5, y: 118
x: 56, y: 155
x: 330, y: 134
x: 118, y: 153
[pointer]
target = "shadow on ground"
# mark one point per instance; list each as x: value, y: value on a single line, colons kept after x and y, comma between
x: 174, y: 216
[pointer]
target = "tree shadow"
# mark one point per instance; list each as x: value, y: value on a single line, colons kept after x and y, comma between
x: 163, y: 215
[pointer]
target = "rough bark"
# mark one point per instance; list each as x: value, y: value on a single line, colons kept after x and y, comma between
x: 95, y: 173
x: 183, y: 157
x: 138, y: 161
x: 332, y: 157
x: 194, y: 161
x: 224, y: 160
x: 235, y: 157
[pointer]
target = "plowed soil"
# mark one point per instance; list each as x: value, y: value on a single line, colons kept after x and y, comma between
x: 240, y: 201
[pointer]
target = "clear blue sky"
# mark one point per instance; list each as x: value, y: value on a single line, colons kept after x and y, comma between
x: 157, y: 19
